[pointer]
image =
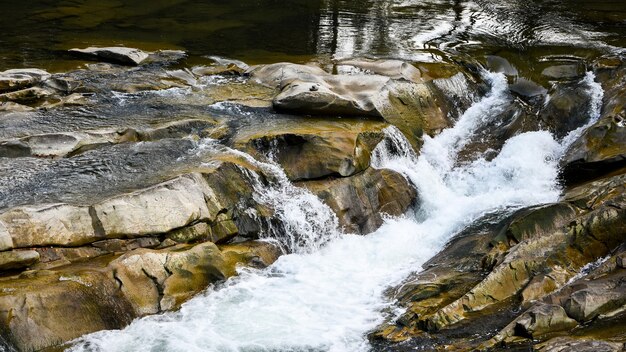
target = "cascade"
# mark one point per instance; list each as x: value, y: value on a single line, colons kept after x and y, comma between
x: 328, y: 292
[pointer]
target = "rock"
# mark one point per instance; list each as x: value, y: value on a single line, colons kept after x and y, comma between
x: 563, y: 72
x: 542, y: 320
x: 45, y: 308
x: 51, y: 257
x: 566, y: 108
x: 395, y: 69
x: 18, y: 259
x: 28, y: 95
x: 223, y: 229
x: 11, y: 106
x: 224, y: 70
x: 280, y: 74
x: 599, y: 150
x: 573, y: 344
x: 314, y: 149
x: 48, y: 225
x: 342, y: 95
x: 49, y: 308
x: 125, y: 245
x: 158, y: 209
x: 360, y: 201
x: 588, y: 303
x: 527, y: 88
x: 413, y: 108
x: 127, y: 56
x: 500, y: 64
x: 17, y: 79
x: 194, y: 233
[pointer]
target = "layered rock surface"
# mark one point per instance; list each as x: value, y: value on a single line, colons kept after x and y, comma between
x: 122, y: 197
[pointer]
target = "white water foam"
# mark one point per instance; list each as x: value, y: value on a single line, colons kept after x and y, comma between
x: 328, y: 299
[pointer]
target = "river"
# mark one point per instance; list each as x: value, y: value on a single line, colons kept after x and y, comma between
x: 329, y: 292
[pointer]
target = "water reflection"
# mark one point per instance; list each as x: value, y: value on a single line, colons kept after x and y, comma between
x: 301, y: 30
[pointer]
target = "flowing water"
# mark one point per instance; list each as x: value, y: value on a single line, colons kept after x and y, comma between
x: 327, y: 297
x: 328, y: 293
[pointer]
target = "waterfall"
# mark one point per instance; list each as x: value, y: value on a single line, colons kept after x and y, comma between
x: 326, y: 298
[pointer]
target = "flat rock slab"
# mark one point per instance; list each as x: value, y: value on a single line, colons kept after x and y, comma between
x: 122, y: 55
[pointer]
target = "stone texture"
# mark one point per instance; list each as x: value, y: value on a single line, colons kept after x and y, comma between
x: 360, y: 201
x: 128, y: 56
x: 18, y: 259
x: 158, y: 209
x: 46, y: 225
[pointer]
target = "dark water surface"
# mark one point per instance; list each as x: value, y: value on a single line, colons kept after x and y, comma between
x: 37, y: 32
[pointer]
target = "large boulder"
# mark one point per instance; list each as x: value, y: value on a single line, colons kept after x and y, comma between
x: 361, y: 201
x: 415, y: 108
x: 600, y: 149
x: 314, y: 149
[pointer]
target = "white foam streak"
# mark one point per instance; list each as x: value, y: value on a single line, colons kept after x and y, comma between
x: 328, y: 299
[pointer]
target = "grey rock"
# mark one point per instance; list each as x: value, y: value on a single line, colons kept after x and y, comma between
x: 123, y: 55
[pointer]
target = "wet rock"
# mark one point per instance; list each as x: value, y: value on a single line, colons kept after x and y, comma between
x: 413, y: 108
x: 332, y: 95
x: 527, y: 259
x: 360, y: 201
x: 500, y: 64
x: 311, y: 150
x: 395, y: 69
x: 127, y: 56
x: 224, y: 70
x: 18, y: 259
x: 223, y: 229
x: 541, y: 320
x: 45, y: 308
x: 51, y: 257
x: 125, y: 245
x: 527, y: 88
x: 572, y: 344
x: 599, y: 297
x: 280, y: 74
x: 17, y: 79
x: 11, y: 106
x: 49, y: 308
x: 568, y: 107
x: 25, y: 96
x: 563, y: 72
x: 63, y: 84
x: 195, y: 233
x: 599, y: 150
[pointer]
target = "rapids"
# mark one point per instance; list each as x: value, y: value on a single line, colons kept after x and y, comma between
x: 328, y: 293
